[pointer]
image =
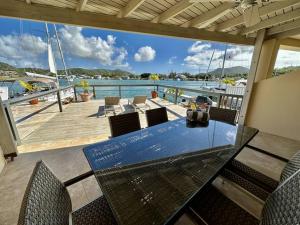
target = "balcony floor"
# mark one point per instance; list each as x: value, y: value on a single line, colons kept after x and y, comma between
x: 77, y: 125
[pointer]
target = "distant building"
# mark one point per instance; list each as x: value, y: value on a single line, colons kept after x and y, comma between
x: 8, y: 73
x: 180, y: 76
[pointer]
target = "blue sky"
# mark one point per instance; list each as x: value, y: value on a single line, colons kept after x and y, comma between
x: 24, y: 44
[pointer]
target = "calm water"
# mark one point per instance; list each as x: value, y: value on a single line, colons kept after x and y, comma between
x: 126, y: 92
x: 129, y: 92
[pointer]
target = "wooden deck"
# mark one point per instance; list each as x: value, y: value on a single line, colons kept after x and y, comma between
x: 79, y: 124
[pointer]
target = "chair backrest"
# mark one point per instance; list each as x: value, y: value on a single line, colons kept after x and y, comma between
x: 156, y: 116
x: 291, y: 167
x: 283, y: 205
x: 139, y: 99
x: 224, y: 115
x: 124, y: 123
x: 46, y: 199
x: 112, y: 100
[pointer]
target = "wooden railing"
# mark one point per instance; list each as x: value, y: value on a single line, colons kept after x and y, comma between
x: 223, y: 100
x: 6, y: 107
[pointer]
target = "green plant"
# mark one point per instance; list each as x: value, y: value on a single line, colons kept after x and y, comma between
x: 229, y: 81
x: 172, y: 91
x: 154, y: 77
x: 84, y: 85
x: 28, y: 87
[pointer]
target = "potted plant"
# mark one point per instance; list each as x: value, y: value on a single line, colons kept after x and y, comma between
x: 154, y: 77
x: 172, y: 91
x: 229, y: 81
x: 30, y: 89
x: 85, y: 95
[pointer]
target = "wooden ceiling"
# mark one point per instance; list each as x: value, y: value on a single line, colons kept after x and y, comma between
x: 216, y: 21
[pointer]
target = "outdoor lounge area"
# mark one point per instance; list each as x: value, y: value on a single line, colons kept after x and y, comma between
x: 159, y: 160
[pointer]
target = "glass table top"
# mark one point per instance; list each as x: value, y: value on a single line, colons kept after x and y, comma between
x: 147, y: 176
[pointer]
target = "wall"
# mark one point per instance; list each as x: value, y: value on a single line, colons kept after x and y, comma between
x: 2, y: 160
x: 275, y: 106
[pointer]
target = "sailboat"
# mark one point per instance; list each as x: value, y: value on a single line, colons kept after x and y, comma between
x: 53, y: 81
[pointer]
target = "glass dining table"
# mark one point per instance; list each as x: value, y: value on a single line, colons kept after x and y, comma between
x: 149, y: 176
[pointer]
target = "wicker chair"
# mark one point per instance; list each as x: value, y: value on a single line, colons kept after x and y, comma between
x: 139, y: 103
x: 111, y: 103
x: 156, y: 116
x: 291, y: 167
x: 255, y: 182
x: 46, y: 201
x: 124, y: 123
x: 224, y: 115
x: 282, y: 206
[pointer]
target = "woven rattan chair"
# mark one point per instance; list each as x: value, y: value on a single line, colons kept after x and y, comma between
x: 224, y: 115
x: 139, y: 103
x: 255, y: 182
x: 156, y: 116
x: 291, y: 167
x: 124, y: 123
x: 282, y: 206
x: 46, y: 201
x: 112, y: 103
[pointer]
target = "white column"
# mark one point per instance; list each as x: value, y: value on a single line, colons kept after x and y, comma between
x: 2, y: 160
x: 252, y: 74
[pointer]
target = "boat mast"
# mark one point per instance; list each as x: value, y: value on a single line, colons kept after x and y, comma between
x: 223, y: 66
x: 50, y: 49
x: 211, y: 58
x: 61, y: 53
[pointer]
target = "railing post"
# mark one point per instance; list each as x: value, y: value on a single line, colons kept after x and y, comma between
x: 219, y: 101
x: 59, y: 101
x: 75, y: 95
x: 120, y: 93
x: 12, y: 123
x: 157, y: 88
x: 94, y: 92
x: 176, y: 95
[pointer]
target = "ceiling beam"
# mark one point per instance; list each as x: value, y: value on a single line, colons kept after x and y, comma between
x: 173, y: 11
x: 290, y: 44
x: 129, y: 8
x: 262, y: 12
x: 18, y: 9
x: 28, y: 1
x: 81, y: 5
x: 284, y: 27
x: 210, y: 16
x: 272, y: 21
x: 286, y: 34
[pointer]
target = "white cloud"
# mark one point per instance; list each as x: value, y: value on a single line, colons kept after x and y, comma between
x: 104, y: 51
x: 145, y: 54
x: 172, y: 59
x: 198, y: 47
x: 22, y: 50
x: 200, y: 54
x: 287, y: 58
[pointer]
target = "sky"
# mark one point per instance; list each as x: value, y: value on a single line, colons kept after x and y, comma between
x: 24, y: 44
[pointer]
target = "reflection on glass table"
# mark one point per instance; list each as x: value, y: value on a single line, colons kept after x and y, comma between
x: 147, y: 176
